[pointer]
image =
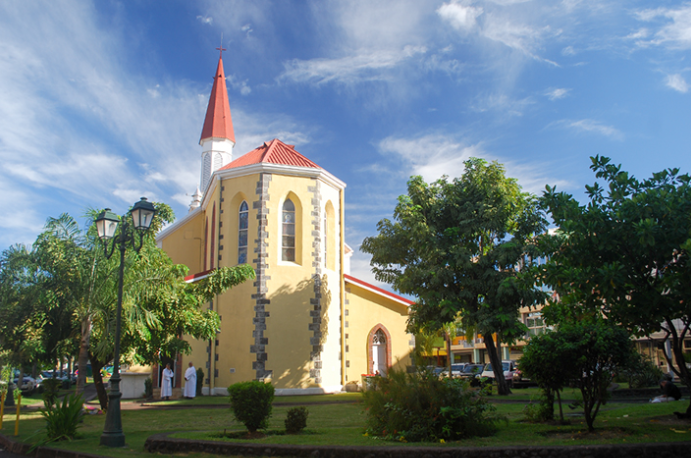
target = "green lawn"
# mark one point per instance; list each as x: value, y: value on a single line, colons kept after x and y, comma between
x: 333, y: 421
x: 215, y: 400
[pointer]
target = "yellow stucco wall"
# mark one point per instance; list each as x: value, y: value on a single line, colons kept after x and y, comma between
x: 366, y: 310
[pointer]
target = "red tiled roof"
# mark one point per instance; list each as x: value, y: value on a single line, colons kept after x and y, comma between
x: 273, y: 152
x: 376, y: 289
x: 198, y: 276
x: 218, y: 123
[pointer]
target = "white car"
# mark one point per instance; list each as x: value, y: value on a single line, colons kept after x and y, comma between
x: 509, y: 368
x: 28, y: 384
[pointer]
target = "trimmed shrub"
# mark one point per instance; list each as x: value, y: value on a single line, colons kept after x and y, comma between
x: 423, y: 407
x: 200, y: 381
x: 148, y: 388
x: 296, y: 420
x: 251, y: 403
x: 63, y: 420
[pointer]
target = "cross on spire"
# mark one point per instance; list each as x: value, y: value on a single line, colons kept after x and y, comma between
x: 221, y: 48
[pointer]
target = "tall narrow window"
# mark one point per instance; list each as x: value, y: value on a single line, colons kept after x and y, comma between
x: 242, y: 233
x: 288, y: 243
x: 325, y: 235
x: 213, y: 236
x: 206, y: 242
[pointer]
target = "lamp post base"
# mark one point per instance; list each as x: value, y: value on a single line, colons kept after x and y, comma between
x: 113, y: 440
x: 112, y: 432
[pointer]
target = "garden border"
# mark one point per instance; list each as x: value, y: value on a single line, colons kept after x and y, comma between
x: 161, y: 443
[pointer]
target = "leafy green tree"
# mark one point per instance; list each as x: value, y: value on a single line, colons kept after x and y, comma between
x: 596, y: 349
x: 20, y: 338
x: 458, y: 246
x: 548, y: 361
x: 625, y: 254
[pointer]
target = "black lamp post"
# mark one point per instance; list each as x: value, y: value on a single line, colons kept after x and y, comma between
x: 107, y: 223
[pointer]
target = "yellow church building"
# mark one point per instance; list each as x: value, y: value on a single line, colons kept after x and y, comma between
x: 304, y: 324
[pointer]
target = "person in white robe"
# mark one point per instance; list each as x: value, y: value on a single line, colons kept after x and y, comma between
x: 190, y: 382
x: 167, y: 383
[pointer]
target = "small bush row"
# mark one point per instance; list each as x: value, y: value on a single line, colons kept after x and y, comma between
x: 251, y: 403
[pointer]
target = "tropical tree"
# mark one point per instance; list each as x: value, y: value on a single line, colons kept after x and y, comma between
x: 458, y: 246
x: 548, y: 361
x: 20, y: 339
x: 625, y: 254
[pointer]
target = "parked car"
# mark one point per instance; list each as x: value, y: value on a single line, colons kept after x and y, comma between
x: 457, y: 369
x: 509, y: 368
x: 520, y: 380
x: 60, y: 375
x: 470, y: 371
x: 441, y: 371
x: 28, y: 383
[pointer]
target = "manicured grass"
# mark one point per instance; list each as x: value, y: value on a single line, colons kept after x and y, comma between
x: 224, y: 400
x: 332, y: 422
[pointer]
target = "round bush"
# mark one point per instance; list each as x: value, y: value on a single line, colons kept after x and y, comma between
x: 296, y: 420
x: 251, y: 403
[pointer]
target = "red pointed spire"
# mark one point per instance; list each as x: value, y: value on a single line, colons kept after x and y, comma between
x: 218, y: 123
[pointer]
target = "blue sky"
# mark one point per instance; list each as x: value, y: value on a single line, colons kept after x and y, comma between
x: 103, y: 102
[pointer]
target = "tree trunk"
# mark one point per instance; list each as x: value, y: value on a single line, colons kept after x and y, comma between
x: 448, y: 350
x: 681, y: 370
x: 83, y: 354
x: 549, y: 395
x: 502, y: 386
x: 96, y: 367
x: 561, y: 410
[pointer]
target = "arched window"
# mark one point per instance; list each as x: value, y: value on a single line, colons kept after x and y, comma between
x: 325, y: 236
x: 288, y: 242
x: 213, y: 236
x: 242, y: 232
x: 206, y: 242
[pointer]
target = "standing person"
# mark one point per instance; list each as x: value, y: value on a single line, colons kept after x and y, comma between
x: 190, y: 382
x: 167, y: 383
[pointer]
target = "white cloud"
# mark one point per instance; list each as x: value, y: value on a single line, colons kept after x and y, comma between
x: 435, y: 155
x: 557, y: 93
x: 677, y: 82
x: 590, y: 125
x: 501, y: 103
x: 461, y: 17
x: 205, y: 19
x: 640, y: 33
x: 241, y: 86
x: 431, y: 156
x: 676, y: 31
x: 568, y: 51
x: 363, y: 66
x: 499, y: 24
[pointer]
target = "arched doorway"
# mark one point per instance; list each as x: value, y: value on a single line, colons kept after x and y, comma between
x: 379, y: 353
x: 379, y: 350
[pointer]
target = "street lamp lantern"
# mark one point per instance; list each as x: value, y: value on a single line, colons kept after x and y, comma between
x: 106, y: 224
x: 143, y: 213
